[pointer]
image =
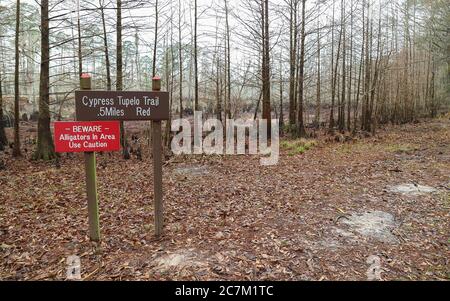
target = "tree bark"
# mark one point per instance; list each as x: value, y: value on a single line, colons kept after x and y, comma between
x: 45, y: 148
x: 217, y: 82
x: 281, y: 117
x: 16, y: 149
x: 80, y: 53
x: 361, y: 64
x: 180, y: 57
x: 318, y: 102
x: 300, y: 126
x: 365, y: 124
x: 105, y: 43
x: 119, y: 77
x: 155, y: 40
x: 292, y: 61
x: 228, y: 64
x: 333, y: 91
x: 3, y: 139
x: 266, y: 114
x: 349, y: 96
x: 334, y: 84
x: 341, y: 114
x: 196, y: 108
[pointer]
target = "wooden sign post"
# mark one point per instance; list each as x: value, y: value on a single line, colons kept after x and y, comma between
x: 125, y: 105
x: 91, y: 179
x: 88, y: 137
x: 157, y: 166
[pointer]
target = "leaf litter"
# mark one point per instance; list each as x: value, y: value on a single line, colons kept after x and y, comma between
x: 316, y: 215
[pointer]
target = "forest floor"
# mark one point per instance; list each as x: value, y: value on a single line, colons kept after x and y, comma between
x: 322, y: 213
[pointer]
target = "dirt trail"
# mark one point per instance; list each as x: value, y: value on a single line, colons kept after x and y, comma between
x: 323, y: 214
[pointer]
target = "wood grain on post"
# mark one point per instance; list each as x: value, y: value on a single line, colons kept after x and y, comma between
x: 91, y: 179
x: 157, y: 166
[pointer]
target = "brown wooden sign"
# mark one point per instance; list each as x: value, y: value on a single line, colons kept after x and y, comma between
x: 121, y: 105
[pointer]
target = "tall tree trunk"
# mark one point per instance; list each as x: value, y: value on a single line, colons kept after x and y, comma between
x: 333, y: 91
x: 155, y: 40
x: 334, y: 83
x: 281, y: 118
x: 318, y: 104
x: 45, y: 148
x: 300, y: 126
x: 217, y: 82
x: 169, y: 83
x: 155, y: 47
x: 373, y: 111
x: 16, y: 149
x: 180, y: 57
x: 358, y: 88
x: 361, y: 64
x: 257, y: 104
x: 119, y: 77
x: 137, y: 60
x: 342, y: 101
x: 292, y: 61
x: 365, y: 124
x: 349, y: 96
x: 228, y: 63
x: 80, y: 53
x: 266, y: 114
x: 3, y: 139
x: 105, y: 43
x: 196, y: 108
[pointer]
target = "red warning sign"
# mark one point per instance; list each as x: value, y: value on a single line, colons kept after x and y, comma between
x: 86, y: 136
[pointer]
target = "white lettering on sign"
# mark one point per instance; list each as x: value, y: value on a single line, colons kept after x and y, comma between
x: 74, y: 145
x: 84, y: 129
x: 151, y: 101
x: 103, y: 136
x: 94, y: 102
x: 68, y: 137
x: 111, y: 111
x: 78, y: 140
x: 142, y: 112
x: 95, y: 144
x: 128, y: 101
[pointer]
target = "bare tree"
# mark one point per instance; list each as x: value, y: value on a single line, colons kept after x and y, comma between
x: 300, y: 124
x: 349, y: 96
x: 45, y: 149
x: 293, y: 28
x: 80, y: 51
x: 196, y: 108
x: 180, y: 59
x: 228, y: 63
x: 265, y: 69
x: 16, y: 149
x: 155, y: 40
x: 3, y: 139
x: 341, y: 115
x: 106, y: 49
x: 318, y: 102
x: 119, y: 76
